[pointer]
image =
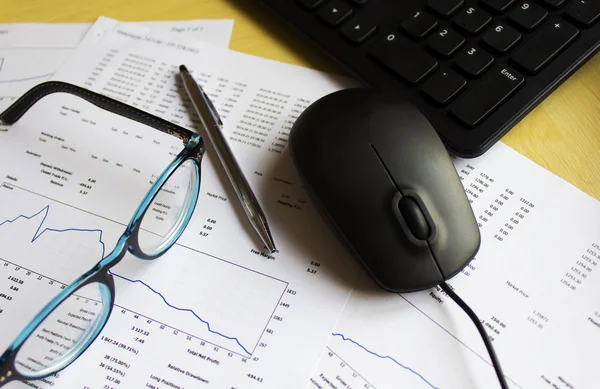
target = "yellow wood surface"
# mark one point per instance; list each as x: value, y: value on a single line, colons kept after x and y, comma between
x: 562, y: 134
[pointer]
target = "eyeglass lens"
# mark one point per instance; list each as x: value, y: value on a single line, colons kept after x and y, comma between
x: 56, y: 341
x: 167, y: 214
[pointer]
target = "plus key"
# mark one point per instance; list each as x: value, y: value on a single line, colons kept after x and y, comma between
x: 540, y: 50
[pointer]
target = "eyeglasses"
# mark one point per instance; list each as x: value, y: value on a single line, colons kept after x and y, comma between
x: 76, y: 316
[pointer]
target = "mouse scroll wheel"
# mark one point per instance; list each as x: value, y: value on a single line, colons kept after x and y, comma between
x: 414, y: 218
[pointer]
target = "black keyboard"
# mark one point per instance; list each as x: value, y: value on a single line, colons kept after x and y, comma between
x: 473, y: 67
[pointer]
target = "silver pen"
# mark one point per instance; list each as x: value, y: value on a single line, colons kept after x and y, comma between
x: 212, y: 123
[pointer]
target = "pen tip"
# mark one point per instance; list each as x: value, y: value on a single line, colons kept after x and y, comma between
x: 182, y: 68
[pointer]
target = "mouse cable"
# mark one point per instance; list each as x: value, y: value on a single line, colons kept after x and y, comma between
x: 446, y: 288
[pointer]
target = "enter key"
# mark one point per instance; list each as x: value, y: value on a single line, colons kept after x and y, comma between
x: 487, y: 95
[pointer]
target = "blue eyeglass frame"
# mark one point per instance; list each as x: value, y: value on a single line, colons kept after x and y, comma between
x: 128, y: 242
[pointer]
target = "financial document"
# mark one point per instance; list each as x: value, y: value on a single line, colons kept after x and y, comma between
x: 31, y: 52
x: 216, y: 311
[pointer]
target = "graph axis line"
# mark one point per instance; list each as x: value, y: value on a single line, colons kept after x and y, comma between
x: 131, y: 310
x: 457, y: 339
x: 371, y: 386
x: 385, y: 357
x: 270, y: 318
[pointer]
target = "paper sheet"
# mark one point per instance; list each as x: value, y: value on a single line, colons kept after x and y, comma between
x: 532, y: 283
x: 31, y: 52
x: 214, y: 308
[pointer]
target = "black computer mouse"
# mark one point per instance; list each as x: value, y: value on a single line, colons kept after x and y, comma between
x: 380, y: 174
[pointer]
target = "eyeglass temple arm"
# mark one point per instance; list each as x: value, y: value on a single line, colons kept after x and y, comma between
x: 22, y: 105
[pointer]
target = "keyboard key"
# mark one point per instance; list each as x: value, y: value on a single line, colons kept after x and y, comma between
x: 474, y: 61
x: 487, y: 96
x: 335, y: 12
x: 419, y: 25
x: 445, y: 42
x: 528, y: 15
x: 472, y: 20
x: 584, y: 12
x: 358, y: 30
x: 443, y: 86
x: 311, y: 4
x: 545, y: 45
x: 501, y: 38
x: 554, y: 3
x: 498, y: 5
x: 404, y: 58
x: 445, y: 8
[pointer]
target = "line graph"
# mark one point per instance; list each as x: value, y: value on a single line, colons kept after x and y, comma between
x: 184, y: 310
x: 163, y: 297
x: 393, y: 343
x: 346, y: 339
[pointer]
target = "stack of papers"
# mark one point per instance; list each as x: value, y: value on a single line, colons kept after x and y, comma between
x: 214, y: 311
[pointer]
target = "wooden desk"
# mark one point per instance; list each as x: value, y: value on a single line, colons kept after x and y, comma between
x: 562, y: 134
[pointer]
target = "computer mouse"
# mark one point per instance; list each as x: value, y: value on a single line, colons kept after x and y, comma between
x: 381, y: 176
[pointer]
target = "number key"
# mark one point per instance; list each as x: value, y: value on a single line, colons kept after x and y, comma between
x: 501, y: 38
x: 445, y: 42
x: 419, y: 25
x: 472, y: 20
x: 474, y: 61
x: 528, y: 15
x: 404, y: 58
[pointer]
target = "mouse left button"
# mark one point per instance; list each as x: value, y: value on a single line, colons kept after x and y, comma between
x: 414, y: 218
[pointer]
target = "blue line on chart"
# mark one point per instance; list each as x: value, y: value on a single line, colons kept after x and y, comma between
x: 385, y: 357
x: 21, y: 79
x: 37, y: 234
